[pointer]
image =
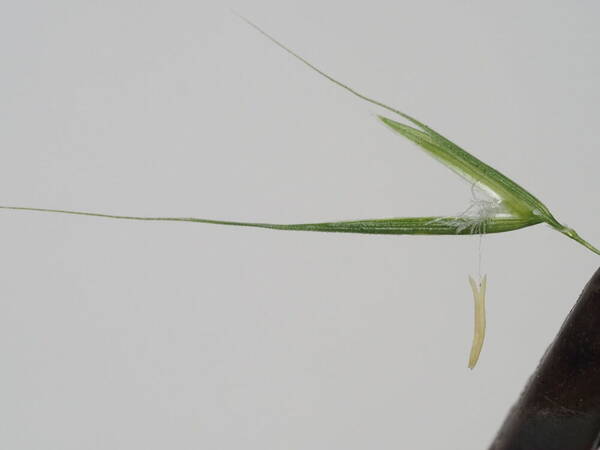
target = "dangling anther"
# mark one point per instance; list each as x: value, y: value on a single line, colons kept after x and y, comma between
x: 479, y: 332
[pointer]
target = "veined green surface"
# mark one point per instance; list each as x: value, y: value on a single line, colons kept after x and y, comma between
x: 400, y: 225
x: 515, y: 208
x: 514, y: 198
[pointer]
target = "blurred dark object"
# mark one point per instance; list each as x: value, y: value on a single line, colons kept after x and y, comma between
x: 560, y: 406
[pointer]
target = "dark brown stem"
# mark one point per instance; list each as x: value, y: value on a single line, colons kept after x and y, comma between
x: 560, y: 406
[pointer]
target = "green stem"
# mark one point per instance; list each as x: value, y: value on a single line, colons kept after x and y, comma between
x: 573, y: 235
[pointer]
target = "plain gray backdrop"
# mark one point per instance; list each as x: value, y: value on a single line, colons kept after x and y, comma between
x: 130, y: 335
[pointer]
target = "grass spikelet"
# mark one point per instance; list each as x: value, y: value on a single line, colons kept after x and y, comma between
x: 507, y: 206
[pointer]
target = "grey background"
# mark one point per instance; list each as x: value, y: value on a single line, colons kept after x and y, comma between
x: 128, y: 335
